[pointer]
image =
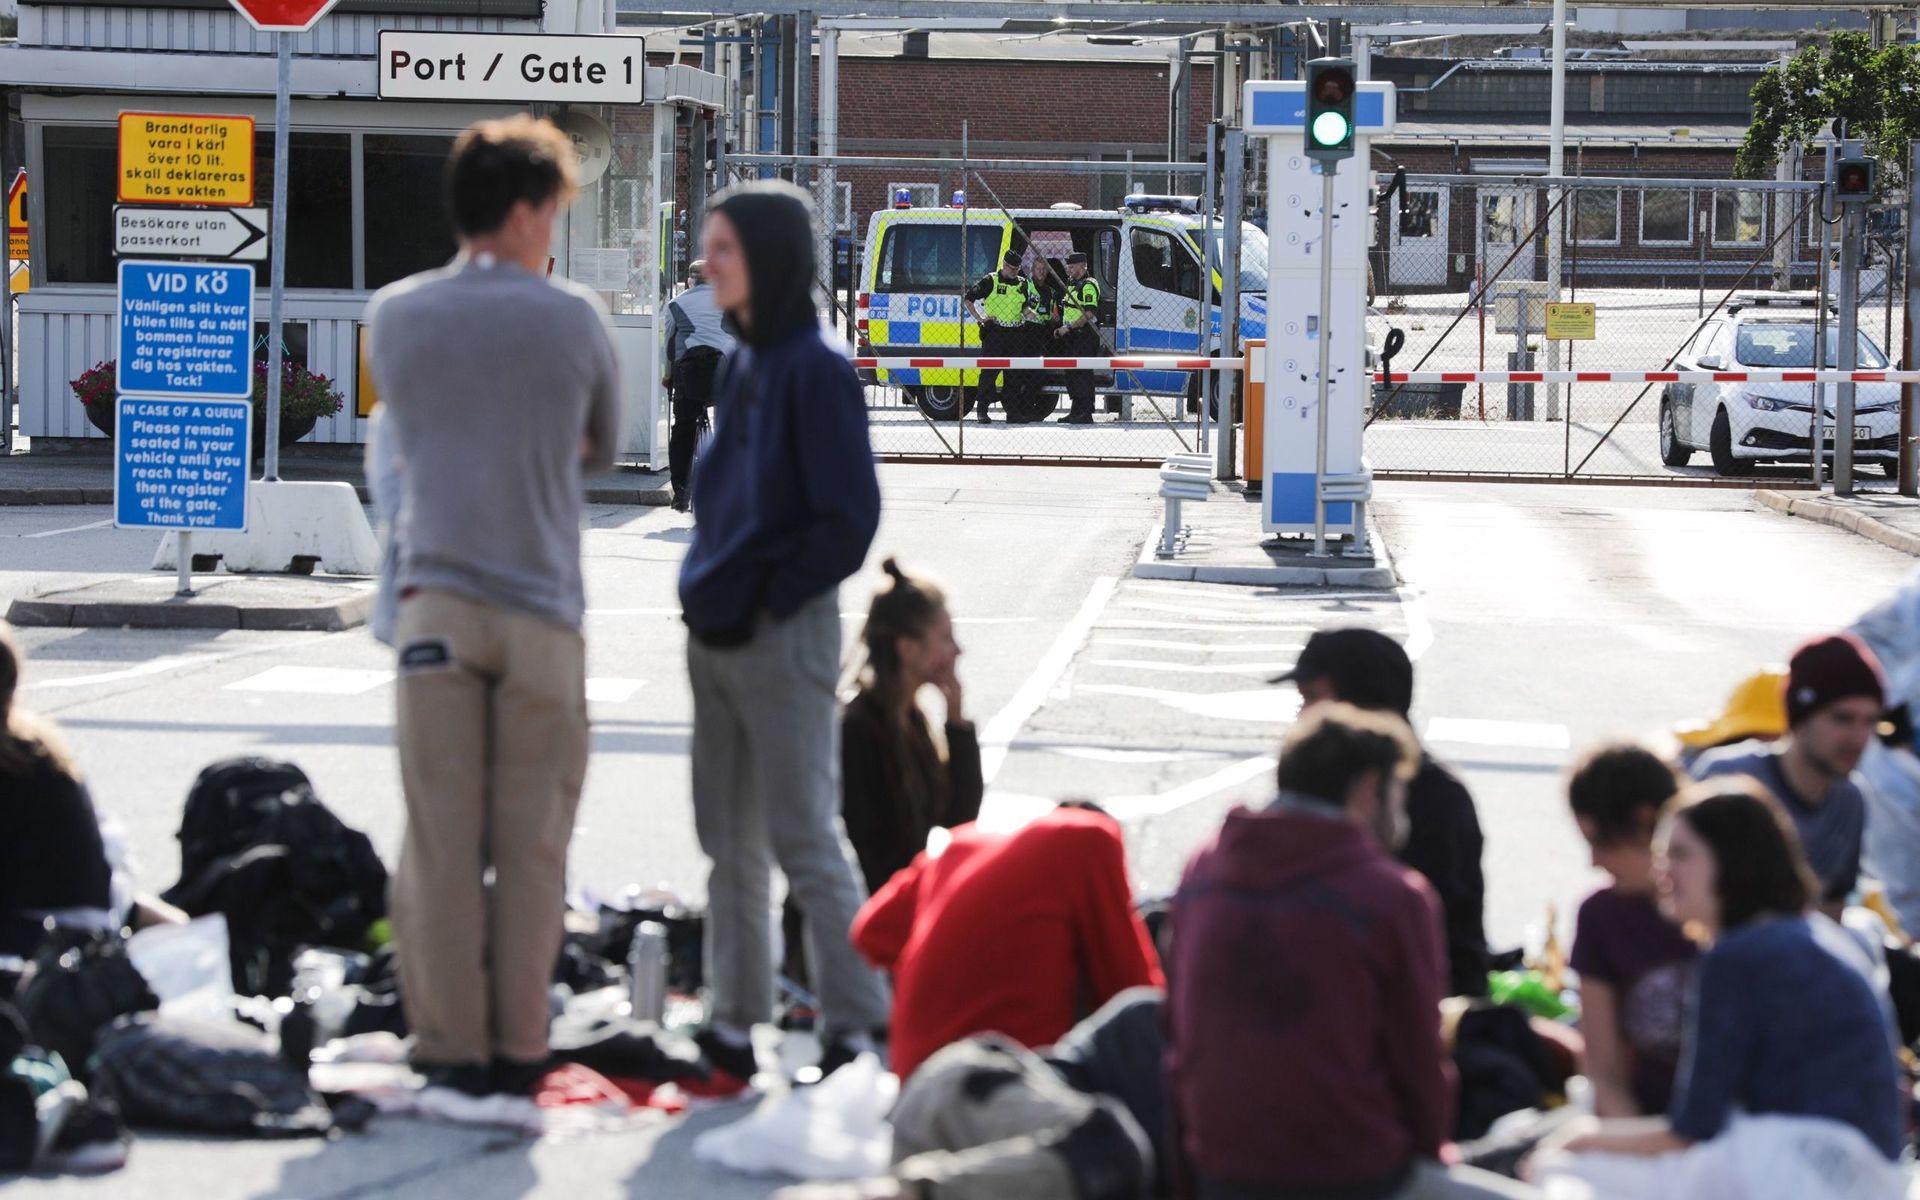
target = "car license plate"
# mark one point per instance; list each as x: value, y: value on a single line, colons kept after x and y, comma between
x: 1862, y: 433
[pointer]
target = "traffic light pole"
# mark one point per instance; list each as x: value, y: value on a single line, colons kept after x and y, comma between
x: 1851, y: 234
x: 1322, y: 333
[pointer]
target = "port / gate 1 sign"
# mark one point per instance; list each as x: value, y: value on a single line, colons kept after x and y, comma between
x: 186, y: 330
x: 522, y: 67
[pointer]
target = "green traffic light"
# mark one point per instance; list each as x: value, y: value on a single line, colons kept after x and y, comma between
x: 1330, y: 129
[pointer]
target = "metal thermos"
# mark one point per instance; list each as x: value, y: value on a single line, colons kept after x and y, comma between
x: 647, y: 972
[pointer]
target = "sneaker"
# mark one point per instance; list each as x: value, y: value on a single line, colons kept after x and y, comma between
x: 468, y: 1079
x: 510, y: 1078
x: 730, y: 1068
x: 836, y: 1053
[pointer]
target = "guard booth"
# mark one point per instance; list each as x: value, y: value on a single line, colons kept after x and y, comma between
x: 364, y: 178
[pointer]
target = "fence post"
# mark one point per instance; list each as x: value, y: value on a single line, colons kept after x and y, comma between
x: 1852, y: 230
x: 1909, y: 485
x: 1210, y: 386
x: 1820, y: 330
x: 1231, y: 217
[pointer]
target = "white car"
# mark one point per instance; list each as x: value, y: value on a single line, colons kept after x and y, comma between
x: 1740, y: 424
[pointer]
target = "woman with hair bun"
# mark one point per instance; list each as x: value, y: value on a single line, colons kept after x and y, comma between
x: 900, y: 781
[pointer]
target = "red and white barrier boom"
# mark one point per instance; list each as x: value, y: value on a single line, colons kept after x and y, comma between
x: 1168, y: 362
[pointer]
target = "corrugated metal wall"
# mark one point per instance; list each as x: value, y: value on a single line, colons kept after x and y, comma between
x: 63, y: 333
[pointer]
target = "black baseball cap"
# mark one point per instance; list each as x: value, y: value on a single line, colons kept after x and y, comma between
x: 1076, y: 257
x: 1367, y: 668
x: 1010, y: 259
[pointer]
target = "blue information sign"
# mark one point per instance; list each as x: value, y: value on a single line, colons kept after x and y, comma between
x: 1280, y: 105
x: 181, y: 464
x: 186, y: 329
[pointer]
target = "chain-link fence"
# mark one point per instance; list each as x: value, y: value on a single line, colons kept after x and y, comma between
x: 1688, y: 273
x: 1108, y: 259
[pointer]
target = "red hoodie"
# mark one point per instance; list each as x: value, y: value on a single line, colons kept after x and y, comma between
x: 1019, y: 934
x: 1304, y: 1021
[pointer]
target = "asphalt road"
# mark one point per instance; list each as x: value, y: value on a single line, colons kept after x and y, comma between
x: 1542, y: 619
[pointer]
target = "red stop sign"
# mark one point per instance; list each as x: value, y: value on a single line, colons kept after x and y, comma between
x: 283, y: 16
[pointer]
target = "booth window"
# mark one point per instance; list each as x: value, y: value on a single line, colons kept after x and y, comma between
x: 407, y: 225
x: 319, y: 209
x: 1738, y: 218
x: 79, y: 164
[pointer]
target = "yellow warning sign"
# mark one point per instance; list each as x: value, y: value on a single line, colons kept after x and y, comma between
x: 1570, y: 322
x: 186, y: 158
x: 17, y: 217
x: 366, y: 399
x: 17, y: 282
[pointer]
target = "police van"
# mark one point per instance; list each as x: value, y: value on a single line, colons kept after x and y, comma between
x: 1145, y: 255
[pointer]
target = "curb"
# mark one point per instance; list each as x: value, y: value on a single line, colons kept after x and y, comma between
x: 1840, y: 516
x: 1378, y: 577
x: 56, y: 497
x: 332, y: 617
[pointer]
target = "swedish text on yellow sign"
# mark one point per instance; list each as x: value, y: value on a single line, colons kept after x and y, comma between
x: 185, y: 158
x: 1572, y: 322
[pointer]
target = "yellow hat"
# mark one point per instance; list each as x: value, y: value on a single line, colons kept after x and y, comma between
x: 1756, y: 709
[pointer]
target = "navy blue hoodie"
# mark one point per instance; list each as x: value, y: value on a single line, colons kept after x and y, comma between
x: 786, y: 495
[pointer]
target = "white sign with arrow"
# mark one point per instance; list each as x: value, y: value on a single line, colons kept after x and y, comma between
x: 230, y: 234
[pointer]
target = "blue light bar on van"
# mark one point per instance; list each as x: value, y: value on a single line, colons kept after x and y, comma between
x: 1145, y: 202
x: 903, y: 197
x: 959, y: 199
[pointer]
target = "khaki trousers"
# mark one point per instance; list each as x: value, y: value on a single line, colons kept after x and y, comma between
x: 492, y: 729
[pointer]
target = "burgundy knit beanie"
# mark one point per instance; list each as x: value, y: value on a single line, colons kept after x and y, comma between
x: 1828, y: 669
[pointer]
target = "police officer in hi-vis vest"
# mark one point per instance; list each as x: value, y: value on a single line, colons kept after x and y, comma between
x: 1002, y: 302
x: 1078, y: 335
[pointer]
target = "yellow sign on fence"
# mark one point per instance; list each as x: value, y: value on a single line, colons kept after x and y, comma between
x: 1571, y: 322
x: 186, y: 158
x: 17, y: 217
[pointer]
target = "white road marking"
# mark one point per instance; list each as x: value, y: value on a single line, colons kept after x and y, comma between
x: 612, y: 691
x: 313, y: 681
x: 1211, y: 647
x: 633, y: 612
x: 998, y: 735
x: 845, y: 616
x: 1526, y: 735
x: 1114, y: 754
x: 1198, y: 610
x: 158, y: 666
x: 70, y: 529
x: 1205, y: 627
x: 1419, y: 629
x: 1237, y: 668
x: 1133, y: 808
x: 1270, y: 706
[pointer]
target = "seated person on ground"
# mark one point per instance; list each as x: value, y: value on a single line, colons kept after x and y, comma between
x: 898, y: 780
x: 1369, y: 670
x: 1834, y: 697
x: 1634, y: 964
x: 1756, y: 711
x: 1020, y: 934
x: 1307, y: 970
x: 55, y: 863
x: 1785, y: 1019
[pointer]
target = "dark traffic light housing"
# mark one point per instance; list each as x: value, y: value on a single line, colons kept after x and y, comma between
x: 1853, y: 180
x: 1329, y: 113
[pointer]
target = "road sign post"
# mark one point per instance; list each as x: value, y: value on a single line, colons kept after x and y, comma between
x: 277, y: 270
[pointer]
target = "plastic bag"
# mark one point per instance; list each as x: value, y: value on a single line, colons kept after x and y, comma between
x: 1757, y: 1158
x: 835, y: 1130
x: 187, y: 966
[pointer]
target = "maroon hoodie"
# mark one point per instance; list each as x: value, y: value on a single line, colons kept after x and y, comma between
x: 1304, y: 1013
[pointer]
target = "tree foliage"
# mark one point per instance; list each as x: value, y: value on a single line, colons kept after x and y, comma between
x: 1874, y: 93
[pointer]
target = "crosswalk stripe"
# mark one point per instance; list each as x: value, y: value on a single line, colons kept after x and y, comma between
x: 1526, y: 735
x: 313, y: 681
x: 1236, y: 668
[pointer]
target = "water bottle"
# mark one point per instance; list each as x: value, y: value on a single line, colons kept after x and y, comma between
x: 647, y: 972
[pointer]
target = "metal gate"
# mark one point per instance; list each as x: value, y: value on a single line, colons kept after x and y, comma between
x: 1660, y: 260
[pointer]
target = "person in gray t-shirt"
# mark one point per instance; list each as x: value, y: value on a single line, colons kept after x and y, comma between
x: 501, y: 386
x: 1834, y: 699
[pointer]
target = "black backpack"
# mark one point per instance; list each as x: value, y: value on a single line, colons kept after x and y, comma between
x: 257, y: 845
x: 78, y: 985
